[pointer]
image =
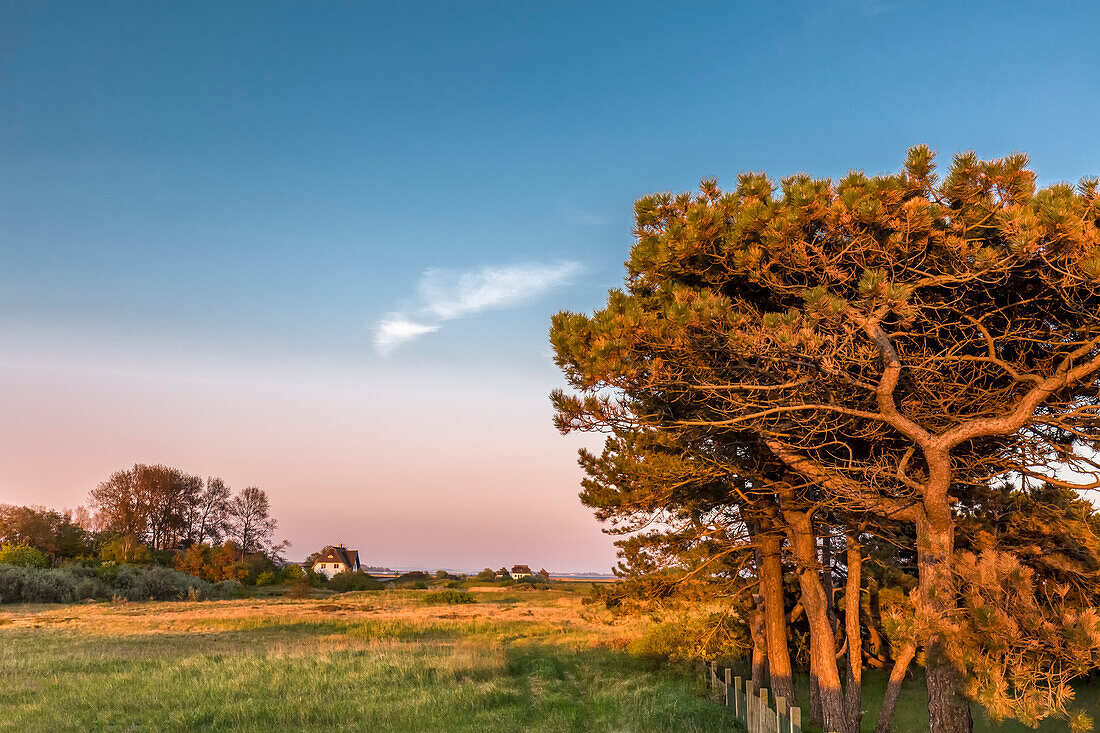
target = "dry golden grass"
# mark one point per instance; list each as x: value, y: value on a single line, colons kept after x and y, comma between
x: 378, y: 660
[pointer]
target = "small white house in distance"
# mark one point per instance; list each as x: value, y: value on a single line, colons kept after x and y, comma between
x: 333, y: 560
x: 520, y: 571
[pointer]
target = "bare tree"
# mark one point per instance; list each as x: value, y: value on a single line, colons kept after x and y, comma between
x: 250, y: 523
x: 121, y: 506
x: 211, y: 512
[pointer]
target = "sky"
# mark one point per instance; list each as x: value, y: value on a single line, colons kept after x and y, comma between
x: 315, y: 247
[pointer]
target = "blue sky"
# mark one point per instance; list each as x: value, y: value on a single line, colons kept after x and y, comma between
x: 207, y: 210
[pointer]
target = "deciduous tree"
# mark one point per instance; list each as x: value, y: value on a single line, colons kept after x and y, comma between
x: 251, y: 525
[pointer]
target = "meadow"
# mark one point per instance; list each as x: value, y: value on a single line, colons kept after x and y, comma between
x: 378, y: 660
x: 390, y: 660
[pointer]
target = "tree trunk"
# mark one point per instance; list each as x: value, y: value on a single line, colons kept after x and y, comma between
x: 852, y: 591
x: 948, y: 710
x: 759, y: 646
x: 775, y: 618
x: 822, y: 642
x: 893, y: 687
x: 815, y: 691
x: 827, y: 580
x: 876, y: 644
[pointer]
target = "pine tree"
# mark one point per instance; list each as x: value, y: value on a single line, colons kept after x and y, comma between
x: 892, y: 343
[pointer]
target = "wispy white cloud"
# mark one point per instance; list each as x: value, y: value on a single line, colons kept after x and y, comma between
x: 448, y: 294
x: 445, y: 295
x: 396, y: 329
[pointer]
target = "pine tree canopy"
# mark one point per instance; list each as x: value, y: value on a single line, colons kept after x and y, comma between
x: 877, y: 356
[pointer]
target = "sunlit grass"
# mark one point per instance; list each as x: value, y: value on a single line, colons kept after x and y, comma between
x: 376, y: 660
x: 365, y: 661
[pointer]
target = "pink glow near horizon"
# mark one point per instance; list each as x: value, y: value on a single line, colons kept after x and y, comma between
x: 421, y: 472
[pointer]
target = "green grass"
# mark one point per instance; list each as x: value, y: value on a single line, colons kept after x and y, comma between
x: 376, y: 660
x: 379, y: 661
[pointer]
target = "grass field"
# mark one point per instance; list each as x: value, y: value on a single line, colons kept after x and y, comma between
x: 380, y: 661
x: 377, y: 660
x: 911, y: 715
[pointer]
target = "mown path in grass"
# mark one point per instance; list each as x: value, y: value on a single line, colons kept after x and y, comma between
x: 379, y: 661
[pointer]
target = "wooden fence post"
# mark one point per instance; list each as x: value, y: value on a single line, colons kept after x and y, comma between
x: 749, y: 704
x: 737, y: 687
x: 796, y: 720
x: 730, y: 696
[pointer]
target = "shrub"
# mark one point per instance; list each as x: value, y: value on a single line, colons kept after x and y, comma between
x: 223, y: 562
x: 349, y: 581
x: 157, y: 583
x: 22, y: 555
x: 125, y: 549
x: 227, y: 587
x: 65, y: 585
x: 413, y: 575
x: 692, y: 638
x: 451, y: 597
x: 239, y: 571
x: 532, y: 582
x: 301, y: 589
x: 164, y: 584
x: 293, y: 574
x: 164, y: 557
x: 90, y: 588
x: 265, y: 578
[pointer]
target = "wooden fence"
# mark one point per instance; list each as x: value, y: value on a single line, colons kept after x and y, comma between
x: 751, y: 707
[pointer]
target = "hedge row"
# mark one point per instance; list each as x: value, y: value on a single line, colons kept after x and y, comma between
x: 74, y: 583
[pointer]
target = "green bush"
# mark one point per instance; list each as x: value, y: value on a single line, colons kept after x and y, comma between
x: 227, y: 587
x: 532, y: 582
x: 714, y: 637
x: 349, y: 581
x: 240, y: 571
x: 125, y: 549
x: 75, y: 583
x: 157, y: 583
x: 451, y: 597
x: 22, y: 555
x: 265, y: 578
x: 293, y: 574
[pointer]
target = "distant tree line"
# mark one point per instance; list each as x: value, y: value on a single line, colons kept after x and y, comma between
x: 165, y: 508
x: 144, y: 516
